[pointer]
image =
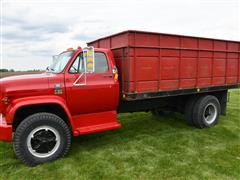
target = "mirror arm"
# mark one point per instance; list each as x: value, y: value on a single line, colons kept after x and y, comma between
x: 79, y: 77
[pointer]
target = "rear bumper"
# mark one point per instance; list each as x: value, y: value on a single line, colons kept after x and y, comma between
x: 5, y: 130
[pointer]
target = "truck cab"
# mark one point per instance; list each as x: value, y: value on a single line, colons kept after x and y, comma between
x: 76, y: 95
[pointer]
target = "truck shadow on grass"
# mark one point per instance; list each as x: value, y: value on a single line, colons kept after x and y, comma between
x: 134, y: 125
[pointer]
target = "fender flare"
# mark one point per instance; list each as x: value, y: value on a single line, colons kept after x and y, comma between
x: 37, y: 100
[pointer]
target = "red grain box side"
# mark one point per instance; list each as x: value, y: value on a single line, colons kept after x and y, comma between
x: 153, y: 62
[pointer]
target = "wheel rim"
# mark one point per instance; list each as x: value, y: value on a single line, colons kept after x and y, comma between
x: 210, y: 113
x: 43, y: 141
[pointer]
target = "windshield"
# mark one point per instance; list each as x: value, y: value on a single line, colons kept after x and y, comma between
x: 60, y: 61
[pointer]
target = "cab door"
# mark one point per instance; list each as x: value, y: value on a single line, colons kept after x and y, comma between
x: 94, y: 92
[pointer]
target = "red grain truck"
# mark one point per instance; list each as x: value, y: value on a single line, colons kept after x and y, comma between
x: 84, y: 89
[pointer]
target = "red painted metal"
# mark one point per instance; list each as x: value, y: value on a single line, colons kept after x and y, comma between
x: 150, y: 62
x: 100, y: 93
x: 93, y: 106
x: 95, y: 122
x: 5, y: 130
x: 36, y: 100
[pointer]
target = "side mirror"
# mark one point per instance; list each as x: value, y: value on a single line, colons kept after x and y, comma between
x: 89, y: 64
x: 89, y: 61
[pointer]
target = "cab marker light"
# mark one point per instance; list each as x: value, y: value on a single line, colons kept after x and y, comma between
x: 115, y: 73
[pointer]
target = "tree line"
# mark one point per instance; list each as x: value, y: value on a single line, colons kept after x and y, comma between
x: 12, y: 70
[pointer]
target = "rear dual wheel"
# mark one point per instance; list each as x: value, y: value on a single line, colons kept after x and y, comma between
x: 203, y: 111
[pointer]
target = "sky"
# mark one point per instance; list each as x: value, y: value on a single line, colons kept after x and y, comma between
x: 32, y: 31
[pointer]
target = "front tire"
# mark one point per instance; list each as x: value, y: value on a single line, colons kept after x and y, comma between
x: 206, y: 111
x: 40, y: 138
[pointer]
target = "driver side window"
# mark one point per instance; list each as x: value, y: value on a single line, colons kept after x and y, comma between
x: 101, y: 64
x: 78, y: 65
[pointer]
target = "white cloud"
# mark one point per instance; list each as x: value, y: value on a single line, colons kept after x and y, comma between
x: 35, y: 30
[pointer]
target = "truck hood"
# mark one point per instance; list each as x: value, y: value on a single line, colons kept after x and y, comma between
x: 24, y: 85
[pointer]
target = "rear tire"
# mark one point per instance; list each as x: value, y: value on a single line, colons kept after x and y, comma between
x: 206, y: 111
x: 40, y: 138
x: 188, y: 110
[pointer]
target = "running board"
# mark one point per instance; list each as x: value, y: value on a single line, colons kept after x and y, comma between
x: 96, y: 122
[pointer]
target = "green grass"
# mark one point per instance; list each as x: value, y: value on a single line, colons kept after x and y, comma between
x: 146, y: 147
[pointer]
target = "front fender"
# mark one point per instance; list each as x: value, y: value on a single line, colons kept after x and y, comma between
x: 34, y: 100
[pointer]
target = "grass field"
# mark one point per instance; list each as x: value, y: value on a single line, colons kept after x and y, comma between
x: 146, y: 147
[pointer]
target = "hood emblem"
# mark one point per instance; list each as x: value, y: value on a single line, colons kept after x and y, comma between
x: 58, y: 88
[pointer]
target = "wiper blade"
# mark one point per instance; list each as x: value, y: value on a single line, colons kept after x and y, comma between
x: 50, y: 69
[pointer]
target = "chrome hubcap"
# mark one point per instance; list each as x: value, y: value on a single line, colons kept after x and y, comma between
x: 210, y: 113
x: 43, y: 141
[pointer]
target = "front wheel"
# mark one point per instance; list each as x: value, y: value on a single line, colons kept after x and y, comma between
x: 40, y: 138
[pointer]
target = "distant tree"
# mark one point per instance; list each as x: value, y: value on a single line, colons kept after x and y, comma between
x: 11, y: 70
x: 34, y: 70
x: 3, y: 70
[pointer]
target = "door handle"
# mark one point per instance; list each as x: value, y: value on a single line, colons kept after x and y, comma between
x: 108, y: 76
